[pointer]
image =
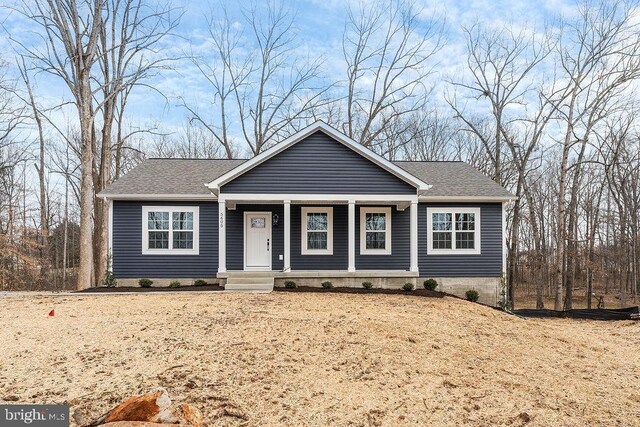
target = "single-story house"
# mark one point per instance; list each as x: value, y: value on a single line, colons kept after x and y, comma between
x: 315, y: 207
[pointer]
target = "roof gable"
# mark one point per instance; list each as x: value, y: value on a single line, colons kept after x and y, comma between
x: 338, y: 137
x: 318, y: 164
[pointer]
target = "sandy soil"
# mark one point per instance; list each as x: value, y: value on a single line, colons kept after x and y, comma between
x: 320, y: 359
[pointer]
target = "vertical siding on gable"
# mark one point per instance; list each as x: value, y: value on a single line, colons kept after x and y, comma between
x: 340, y: 258
x: 487, y: 264
x: 318, y: 164
x: 399, y: 259
x: 128, y: 261
x: 235, y: 235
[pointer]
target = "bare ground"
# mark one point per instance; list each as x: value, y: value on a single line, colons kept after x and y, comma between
x: 320, y: 359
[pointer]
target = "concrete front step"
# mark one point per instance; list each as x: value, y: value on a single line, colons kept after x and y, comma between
x: 249, y: 283
x: 240, y: 279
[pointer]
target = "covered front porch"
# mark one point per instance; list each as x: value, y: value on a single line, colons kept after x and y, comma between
x: 269, y: 234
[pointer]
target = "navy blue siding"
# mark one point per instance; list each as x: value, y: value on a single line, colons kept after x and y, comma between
x: 318, y: 164
x: 399, y: 259
x: 487, y: 264
x: 128, y: 261
x: 235, y: 235
x: 340, y: 258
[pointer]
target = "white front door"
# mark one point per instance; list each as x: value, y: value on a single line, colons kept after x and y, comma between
x: 257, y: 241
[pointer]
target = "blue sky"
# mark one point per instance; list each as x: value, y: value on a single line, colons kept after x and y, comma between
x: 318, y: 25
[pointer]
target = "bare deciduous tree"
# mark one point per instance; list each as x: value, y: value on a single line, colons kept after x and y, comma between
x: 390, y: 56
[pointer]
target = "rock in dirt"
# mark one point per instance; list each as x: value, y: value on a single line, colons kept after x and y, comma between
x: 188, y: 414
x: 151, y: 410
x: 153, y: 407
x: 140, y: 424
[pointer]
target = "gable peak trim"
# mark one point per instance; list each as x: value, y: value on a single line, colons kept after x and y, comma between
x: 340, y: 137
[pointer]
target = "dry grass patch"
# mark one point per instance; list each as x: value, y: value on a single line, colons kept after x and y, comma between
x: 320, y: 359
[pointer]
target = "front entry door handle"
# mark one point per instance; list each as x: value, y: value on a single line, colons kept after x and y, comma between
x: 267, y: 245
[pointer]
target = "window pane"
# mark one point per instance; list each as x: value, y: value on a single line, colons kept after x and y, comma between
x: 183, y: 220
x: 158, y: 220
x: 258, y: 222
x: 441, y: 221
x: 375, y: 240
x: 465, y: 240
x: 183, y: 240
x: 375, y: 221
x: 465, y: 221
x: 317, y: 240
x: 441, y: 240
x: 159, y: 239
x: 317, y: 221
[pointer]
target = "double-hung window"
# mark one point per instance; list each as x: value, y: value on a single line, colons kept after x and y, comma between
x: 317, y: 231
x: 453, y: 231
x: 375, y: 231
x: 170, y: 230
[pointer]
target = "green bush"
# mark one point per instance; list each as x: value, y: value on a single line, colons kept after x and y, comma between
x: 174, y: 284
x: 327, y: 285
x: 200, y: 282
x: 430, y: 284
x: 109, y: 279
x: 367, y: 285
x: 407, y: 287
x: 145, y: 283
x: 290, y: 284
x: 472, y: 295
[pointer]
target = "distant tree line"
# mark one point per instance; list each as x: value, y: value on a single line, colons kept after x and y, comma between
x: 548, y: 112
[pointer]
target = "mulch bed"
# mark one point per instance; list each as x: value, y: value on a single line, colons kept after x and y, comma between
x: 339, y: 290
x: 104, y: 290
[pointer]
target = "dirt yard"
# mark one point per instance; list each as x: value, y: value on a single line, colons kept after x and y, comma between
x: 320, y: 359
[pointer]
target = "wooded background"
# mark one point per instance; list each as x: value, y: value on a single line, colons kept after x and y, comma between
x: 549, y: 112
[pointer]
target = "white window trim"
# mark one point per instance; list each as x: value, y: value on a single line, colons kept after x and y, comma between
x: 363, y: 241
x: 303, y: 227
x: 453, y: 250
x: 171, y: 251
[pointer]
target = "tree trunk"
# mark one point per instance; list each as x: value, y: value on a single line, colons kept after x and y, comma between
x: 85, y: 270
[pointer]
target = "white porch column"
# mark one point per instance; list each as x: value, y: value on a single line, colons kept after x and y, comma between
x: 222, y: 236
x: 414, y: 236
x: 287, y: 235
x: 352, y: 235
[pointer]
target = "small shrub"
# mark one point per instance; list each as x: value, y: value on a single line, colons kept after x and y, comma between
x: 430, y: 284
x: 367, y: 285
x: 327, y: 285
x: 145, y: 283
x: 290, y: 284
x: 407, y: 287
x: 472, y: 295
x: 109, y: 279
x: 174, y: 284
x: 199, y: 282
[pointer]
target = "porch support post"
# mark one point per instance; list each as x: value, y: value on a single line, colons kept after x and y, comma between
x: 287, y: 235
x: 222, y: 236
x: 414, y: 236
x: 352, y: 235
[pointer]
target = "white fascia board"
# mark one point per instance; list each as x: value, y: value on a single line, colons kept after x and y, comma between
x: 338, y: 136
x: 297, y: 198
x: 160, y: 197
x: 466, y: 199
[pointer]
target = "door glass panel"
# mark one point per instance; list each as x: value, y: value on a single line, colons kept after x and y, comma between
x: 258, y: 222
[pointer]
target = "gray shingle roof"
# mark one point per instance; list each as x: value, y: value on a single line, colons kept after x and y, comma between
x: 171, y: 176
x: 457, y: 179
x: 189, y: 176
